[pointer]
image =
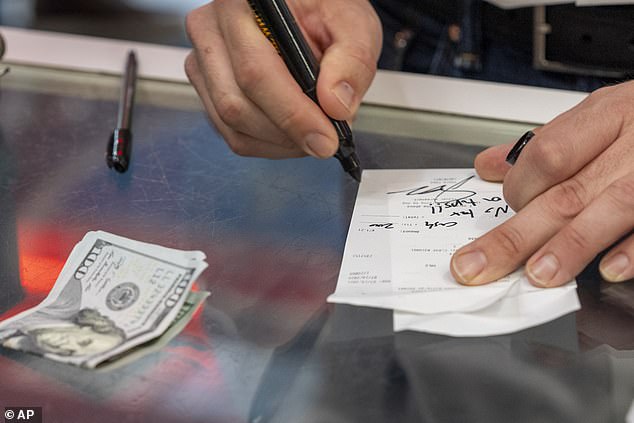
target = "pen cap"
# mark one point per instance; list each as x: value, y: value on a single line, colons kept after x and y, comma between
x: 119, y: 149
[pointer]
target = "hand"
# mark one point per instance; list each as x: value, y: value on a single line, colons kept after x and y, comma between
x: 252, y: 98
x: 573, y: 190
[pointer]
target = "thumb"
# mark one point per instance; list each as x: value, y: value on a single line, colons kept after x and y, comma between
x: 349, y: 63
x: 491, y: 163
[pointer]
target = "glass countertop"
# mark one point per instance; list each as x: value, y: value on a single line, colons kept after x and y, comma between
x: 265, y: 346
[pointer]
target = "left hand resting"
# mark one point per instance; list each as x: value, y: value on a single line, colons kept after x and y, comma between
x: 573, y: 190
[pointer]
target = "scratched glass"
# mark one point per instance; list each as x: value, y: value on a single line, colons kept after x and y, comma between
x: 274, y: 233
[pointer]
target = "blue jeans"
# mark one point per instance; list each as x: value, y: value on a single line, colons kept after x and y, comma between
x: 432, y: 51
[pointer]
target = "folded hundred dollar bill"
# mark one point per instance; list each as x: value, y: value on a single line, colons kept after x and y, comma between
x: 112, y: 295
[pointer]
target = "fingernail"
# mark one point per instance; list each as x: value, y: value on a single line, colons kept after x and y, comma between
x: 345, y: 94
x: 319, y: 146
x: 544, y: 269
x: 614, y: 269
x: 469, y: 265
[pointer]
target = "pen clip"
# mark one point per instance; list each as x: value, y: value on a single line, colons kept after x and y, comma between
x: 263, y: 25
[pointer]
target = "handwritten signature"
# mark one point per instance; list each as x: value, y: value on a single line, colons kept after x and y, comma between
x: 382, y: 225
x: 442, y: 190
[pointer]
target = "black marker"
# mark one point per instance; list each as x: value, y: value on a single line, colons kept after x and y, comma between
x: 120, y: 142
x: 279, y: 26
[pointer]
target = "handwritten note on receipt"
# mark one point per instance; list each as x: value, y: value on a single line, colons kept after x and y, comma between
x: 405, y: 227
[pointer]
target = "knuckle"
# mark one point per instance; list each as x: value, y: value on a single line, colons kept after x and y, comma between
x: 190, y: 66
x: 608, y: 101
x: 192, y: 23
x: 621, y: 193
x: 512, y: 199
x: 513, y: 196
x: 576, y: 239
x: 363, y: 55
x: 249, y: 76
x: 290, y: 119
x: 567, y: 199
x: 612, y: 105
x: 619, y: 106
x: 230, y: 109
x: 551, y: 157
x: 510, y: 239
x: 200, y: 26
x: 600, y: 93
x: 239, y: 146
x: 286, y: 142
x: 376, y: 23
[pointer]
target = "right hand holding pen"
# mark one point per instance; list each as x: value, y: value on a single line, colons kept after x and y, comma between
x: 248, y: 92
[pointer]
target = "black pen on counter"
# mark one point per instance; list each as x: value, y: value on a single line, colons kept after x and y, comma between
x: 120, y: 142
x: 4, y: 71
x: 278, y: 25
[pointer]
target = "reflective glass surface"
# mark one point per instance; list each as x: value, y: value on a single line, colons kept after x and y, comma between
x: 265, y: 346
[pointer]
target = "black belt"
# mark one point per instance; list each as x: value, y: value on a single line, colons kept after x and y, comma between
x: 565, y: 38
x: 586, y: 40
x: 576, y: 39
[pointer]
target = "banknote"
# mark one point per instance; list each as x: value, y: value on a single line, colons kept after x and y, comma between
x: 185, y: 314
x: 112, y: 294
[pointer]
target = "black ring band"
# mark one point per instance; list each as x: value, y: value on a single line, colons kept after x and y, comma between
x: 518, y: 147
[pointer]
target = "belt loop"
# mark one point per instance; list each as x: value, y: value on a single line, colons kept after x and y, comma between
x: 469, y: 50
x: 402, y: 41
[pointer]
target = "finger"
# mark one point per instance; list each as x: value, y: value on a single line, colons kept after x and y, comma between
x: 491, y: 163
x: 248, y: 146
x: 265, y: 80
x: 218, y: 81
x: 504, y: 248
x: 618, y: 264
x: 349, y: 63
x: 563, y: 147
x: 241, y: 144
x: 598, y: 226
